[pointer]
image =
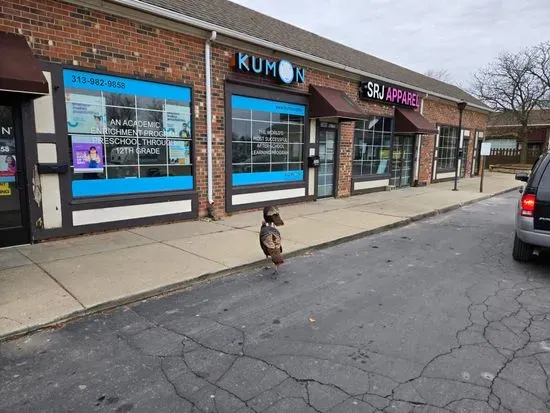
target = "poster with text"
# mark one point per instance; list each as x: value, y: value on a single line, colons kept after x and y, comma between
x: 85, y: 113
x: 87, y: 156
x: 179, y: 153
x: 177, y: 123
x: 8, y: 168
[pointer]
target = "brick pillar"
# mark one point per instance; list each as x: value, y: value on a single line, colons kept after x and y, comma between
x: 426, y: 158
x: 345, y: 161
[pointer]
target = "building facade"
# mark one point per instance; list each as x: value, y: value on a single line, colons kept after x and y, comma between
x: 503, y: 132
x: 132, y: 113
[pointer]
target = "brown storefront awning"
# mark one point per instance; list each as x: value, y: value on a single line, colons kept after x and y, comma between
x: 326, y: 102
x: 19, y: 70
x: 408, y: 122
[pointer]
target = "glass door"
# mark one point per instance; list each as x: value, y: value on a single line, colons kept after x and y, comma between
x: 14, y: 229
x: 327, y: 152
x: 464, y: 157
x: 402, y: 161
x: 477, y: 158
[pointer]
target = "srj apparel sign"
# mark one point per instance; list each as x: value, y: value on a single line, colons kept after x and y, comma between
x: 387, y: 93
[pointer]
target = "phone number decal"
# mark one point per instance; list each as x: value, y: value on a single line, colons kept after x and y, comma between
x: 97, y: 81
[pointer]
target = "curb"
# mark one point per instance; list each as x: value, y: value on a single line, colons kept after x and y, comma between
x: 211, y: 277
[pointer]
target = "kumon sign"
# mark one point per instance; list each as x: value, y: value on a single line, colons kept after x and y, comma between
x: 282, y: 70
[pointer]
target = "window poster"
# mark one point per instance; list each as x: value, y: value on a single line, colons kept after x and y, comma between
x: 178, y: 121
x: 8, y: 162
x: 8, y: 168
x: 85, y: 113
x: 180, y: 153
x: 267, y: 141
x: 127, y: 136
x: 87, y: 155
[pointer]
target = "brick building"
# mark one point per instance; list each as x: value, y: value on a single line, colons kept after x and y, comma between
x: 118, y: 113
x: 503, y: 130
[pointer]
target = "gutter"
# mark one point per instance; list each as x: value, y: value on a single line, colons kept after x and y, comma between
x: 181, y: 18
x: 209, y: 114
x: 517, y: 126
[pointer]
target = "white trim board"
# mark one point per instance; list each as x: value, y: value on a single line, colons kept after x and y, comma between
x: 445, y: 175
x: 123, y: 213
x: 359, y: 186
x: 253, y: 197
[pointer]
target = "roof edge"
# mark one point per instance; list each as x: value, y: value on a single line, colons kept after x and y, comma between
x: 172, y: 15
x: 513, y: 125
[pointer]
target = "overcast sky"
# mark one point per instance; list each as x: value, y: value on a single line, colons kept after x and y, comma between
x: 456, y: 35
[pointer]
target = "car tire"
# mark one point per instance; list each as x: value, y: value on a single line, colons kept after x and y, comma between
x: 521, y: 251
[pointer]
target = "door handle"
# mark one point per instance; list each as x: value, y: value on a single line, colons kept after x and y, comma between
x: 19, y: 181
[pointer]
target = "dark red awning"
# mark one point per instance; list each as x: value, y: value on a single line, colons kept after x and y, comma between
x: 409, y: 122
x: 19, y: 70
x: 326, y: 102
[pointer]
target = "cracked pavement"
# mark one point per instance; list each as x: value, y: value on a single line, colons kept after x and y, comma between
x: 434, y: 317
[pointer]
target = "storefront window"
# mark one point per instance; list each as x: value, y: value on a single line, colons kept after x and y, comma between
x: 127, y: 136
x: 372, y: 146
x: 267, y: 141
x: 446, y: 151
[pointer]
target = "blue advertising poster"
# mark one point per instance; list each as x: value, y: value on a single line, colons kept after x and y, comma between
x: 127, y: 136
x: 268, y: 141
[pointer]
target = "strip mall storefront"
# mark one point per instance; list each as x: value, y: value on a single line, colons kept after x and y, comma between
x: 98, y: 137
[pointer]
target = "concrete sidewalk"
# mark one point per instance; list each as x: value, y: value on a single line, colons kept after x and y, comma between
x: 47, y: 283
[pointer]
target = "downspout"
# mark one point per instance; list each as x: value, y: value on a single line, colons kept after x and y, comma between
x: 209, y: 122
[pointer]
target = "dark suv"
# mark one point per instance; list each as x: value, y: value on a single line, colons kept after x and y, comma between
x: 533, y: 212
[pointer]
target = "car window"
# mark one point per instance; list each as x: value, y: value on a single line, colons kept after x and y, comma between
x: 545, y: 180
x: 538, y: 169
x: 537, y: 163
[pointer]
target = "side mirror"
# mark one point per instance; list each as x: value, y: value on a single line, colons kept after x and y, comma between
x: 523, y: 177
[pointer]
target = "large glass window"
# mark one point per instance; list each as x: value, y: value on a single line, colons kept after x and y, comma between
x: 267, y: 144
x: 372, y: 146
x: 127, y: 136
x: 446, y: 151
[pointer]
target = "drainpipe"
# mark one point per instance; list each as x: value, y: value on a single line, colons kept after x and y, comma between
x: 209, y: 119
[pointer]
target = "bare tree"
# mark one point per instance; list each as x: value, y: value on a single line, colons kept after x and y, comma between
x: 440, y: 74
x: 541, y: 67
x: 510, y: 84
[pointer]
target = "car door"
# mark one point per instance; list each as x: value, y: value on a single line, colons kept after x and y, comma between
x: 542, y: 204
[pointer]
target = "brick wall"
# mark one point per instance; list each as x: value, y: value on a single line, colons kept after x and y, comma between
x: 221, y: 70
x: 426, y: 158
x: 346, y: 157
x: 64, y: 33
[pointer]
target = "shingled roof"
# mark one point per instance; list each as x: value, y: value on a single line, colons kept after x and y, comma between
x: 537, y: 117
x: 235, y: 17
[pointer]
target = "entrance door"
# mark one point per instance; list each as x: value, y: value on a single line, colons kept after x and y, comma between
x: 402, y: 161
x: 464, y: 159
x: 14, y: 224
x: 478, y: 158
x: 327, y: 152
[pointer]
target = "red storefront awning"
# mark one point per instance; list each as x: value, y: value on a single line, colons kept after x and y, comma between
x: 19, y: 71
x: 326, y: 102
x: 409, y: 122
